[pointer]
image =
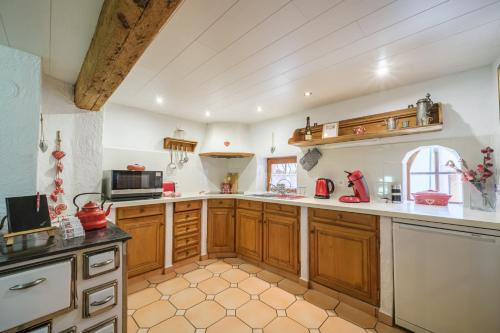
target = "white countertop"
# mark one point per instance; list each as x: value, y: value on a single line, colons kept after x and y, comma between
x: 452, y: 214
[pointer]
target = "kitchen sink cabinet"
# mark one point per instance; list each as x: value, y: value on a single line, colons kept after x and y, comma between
x: 249, y: 233
x: 344, y: 253
x: 221, y: 226
x: 281, y: 241
x: 147, y: 229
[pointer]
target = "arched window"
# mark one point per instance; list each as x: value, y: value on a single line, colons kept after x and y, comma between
x: 425, y: 169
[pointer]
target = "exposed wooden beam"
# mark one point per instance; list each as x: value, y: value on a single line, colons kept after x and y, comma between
x: 124, y: 30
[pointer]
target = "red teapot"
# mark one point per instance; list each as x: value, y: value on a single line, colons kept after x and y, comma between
x: 91, y: 216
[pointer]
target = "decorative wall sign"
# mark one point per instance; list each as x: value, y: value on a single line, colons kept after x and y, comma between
x: 330, y: 130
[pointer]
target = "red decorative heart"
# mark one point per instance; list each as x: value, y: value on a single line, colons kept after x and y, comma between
x: 60, y: 167
x: 227, y: 143
x: 61, y: 207
x: 58, y: 154
x: 58, y: 182
x: 53, y: 196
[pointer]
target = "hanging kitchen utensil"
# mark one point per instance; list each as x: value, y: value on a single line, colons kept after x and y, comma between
x: 273, y: 145
x: 310, y: 159
x: 180, y: 158
x: 171, y: 165
x: 186, y: 158
x: 43, y: 143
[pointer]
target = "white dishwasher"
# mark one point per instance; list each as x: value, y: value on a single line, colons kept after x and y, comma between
x: 446, y: 278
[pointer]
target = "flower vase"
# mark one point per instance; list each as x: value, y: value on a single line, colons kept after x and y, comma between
x: 483, y: 196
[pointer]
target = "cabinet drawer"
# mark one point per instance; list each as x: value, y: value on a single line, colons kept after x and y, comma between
x: 138, y: 211
x: 221, y: 203
x: 187, y: 205
x: 187, y: 241
x: 346, y: 219
x: 248, y: 204
x: 107, y: 326
x: 287, y: 209
x: 99, y: 299
x: 185, y: 253
x: 100, y: 262
x: 186, y: 228
x: 34, y: 291
x: 187, y: 216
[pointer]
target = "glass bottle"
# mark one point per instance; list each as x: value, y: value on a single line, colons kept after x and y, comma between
x: 308, y: 131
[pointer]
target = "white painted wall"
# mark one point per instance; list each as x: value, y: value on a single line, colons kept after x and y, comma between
x: 19, y: 112
x: 81, y: 133
x: 470, y: 115
x: 133, y: 135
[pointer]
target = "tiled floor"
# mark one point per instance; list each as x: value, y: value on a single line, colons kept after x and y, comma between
x: 232, y: 296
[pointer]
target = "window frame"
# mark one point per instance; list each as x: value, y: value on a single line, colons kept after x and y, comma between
x: 436, y: 172
x: 277, y: 160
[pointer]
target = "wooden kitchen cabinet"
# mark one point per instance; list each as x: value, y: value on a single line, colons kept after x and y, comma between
x: 146, y: 249
x: 344, y: 253
x: 249, y: 233
x: 281, y: 241
x: 186, y: 236
x: 221, y: 226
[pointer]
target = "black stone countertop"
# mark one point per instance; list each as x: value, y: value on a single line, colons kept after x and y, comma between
x: 39, y: 245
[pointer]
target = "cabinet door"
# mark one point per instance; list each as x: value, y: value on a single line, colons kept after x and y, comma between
x: 145, y: 251
x: 249, y: 233
x: 345, y: 259
x: 220, y: 230
x: 281, y: 241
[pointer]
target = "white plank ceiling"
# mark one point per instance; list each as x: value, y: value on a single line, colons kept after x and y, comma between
x: 229, y: 57
x: 59, y: 31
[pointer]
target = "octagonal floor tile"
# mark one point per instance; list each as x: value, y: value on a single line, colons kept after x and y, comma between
x: 232, y: 298
x: 154, y: 313
x: 131, y: 325
x: 235, y: 275
x: 230, y: 325
x: 213, y: 285
x: 337, y: 325
x: 285, y: 324
x: 172, y: 286
x: 177, y: 324
x: 269, y: 276
x: 307, y: 314
x: 159, y: 278
x: 256, y: 314
x: 251, y: 269
x: 205, y: 314
x: 219, y: 267
x: 234, y: 261
x: 142, y: 298
x: 198, y: 275
x: 187, y: 298
x: 253, y: 285
x: 277, y: 298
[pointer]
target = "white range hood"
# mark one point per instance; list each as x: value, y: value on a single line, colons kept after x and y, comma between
x: 226, y: 140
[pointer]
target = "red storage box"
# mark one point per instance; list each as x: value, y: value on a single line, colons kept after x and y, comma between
x: 430, y: 197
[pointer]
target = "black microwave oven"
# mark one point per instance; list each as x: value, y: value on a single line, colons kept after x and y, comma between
x: 125, y: 184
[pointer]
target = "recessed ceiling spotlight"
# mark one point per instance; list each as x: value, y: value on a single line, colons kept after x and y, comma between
x: 382, y: 69
x: 259, y: 108
x: 159, y: 100
x: 207, y: 113
x: 308, y: 94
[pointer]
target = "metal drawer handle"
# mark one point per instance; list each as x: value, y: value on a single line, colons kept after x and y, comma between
x: 28, y: 284
x: 102, y: 263
x: 104, y: 301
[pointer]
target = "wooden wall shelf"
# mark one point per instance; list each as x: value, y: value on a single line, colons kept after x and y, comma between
x: 226, y: 155
x: 178, y: 144
x: 374, y: 125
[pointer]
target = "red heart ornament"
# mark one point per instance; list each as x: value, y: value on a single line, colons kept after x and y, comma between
x: 58, y: 182
x: 53, y: 196
x: 58, y: 154
x: 61, y: 207
x: 227, y: 143
x: 60, y: 167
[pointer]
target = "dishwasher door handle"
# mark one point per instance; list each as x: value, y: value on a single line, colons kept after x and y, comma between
x: 464, y: 234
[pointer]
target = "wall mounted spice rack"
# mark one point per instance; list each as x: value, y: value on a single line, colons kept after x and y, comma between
x: 179, y: 144
x: 374, y: 127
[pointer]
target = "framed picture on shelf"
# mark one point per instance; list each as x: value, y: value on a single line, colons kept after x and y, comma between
x: 330, y: 130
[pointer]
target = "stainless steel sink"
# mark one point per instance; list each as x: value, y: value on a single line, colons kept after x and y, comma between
x: 277, y: 196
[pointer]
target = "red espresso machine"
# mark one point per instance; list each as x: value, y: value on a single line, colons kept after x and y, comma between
x: 358, y: 182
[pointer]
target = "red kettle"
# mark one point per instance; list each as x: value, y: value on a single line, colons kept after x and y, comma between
x: 91, y: 216
x: 324, y: 187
